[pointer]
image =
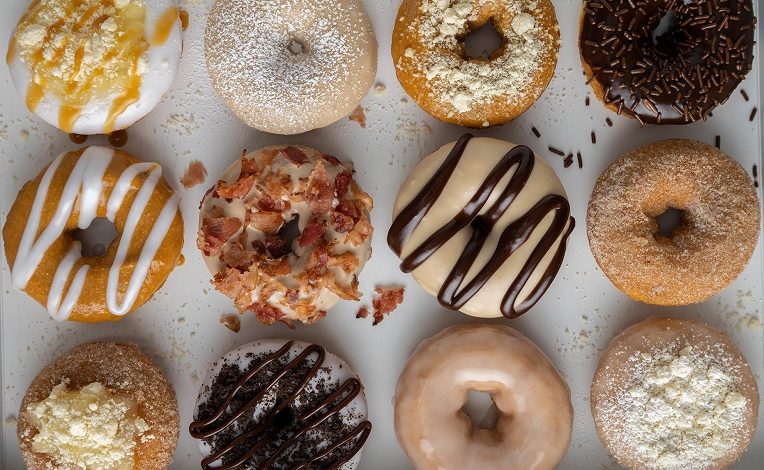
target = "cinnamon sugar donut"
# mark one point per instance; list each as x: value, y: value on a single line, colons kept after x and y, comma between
x: 711, y: 246
x: 431, y: 63
x: 535, y: 419
x: 78, y: 187
x: 103, y: 405
x: 674, y: 394
x: 286, y: 233
x: 290, y: 66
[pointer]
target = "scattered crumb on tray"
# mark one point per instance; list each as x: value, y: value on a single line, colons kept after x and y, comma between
x: 358, y: 115
x: 385, y: 301
x: 379, y: 88
x: 183, y: 124
x: 231, y: 321
x: 195, y: 174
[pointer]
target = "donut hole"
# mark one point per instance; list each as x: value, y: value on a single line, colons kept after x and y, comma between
x: 669, y: 222
x: 97, y: 238
x: 481, y: 409
x: 483, y: 42
x: 296, y: 47
x: 289, y: 232
x: 663, y: 36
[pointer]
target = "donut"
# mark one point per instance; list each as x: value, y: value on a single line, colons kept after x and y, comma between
x: 74, y: 191
x: 535, y: 415
x: 281, y: 404
x: 290, y: 66
x: 95, y: 66
x: 666, y: 75
x: 672, y: 394
x: 100, y: 405
x: 711, y: 246
x: 434, y: 69
x: 482, y: 242
x: 285, y: 233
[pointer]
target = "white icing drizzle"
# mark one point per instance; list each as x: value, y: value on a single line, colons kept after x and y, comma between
x: 86, y: 181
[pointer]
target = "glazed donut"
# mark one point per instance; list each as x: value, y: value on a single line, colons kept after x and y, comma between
x: 102, y: 405
x: 76, y: 188
x: 535, y: 420
x: 672, y: 394
x: 244, y: 233
x: 484, y: 244
x: 281, y: 404
x: 95, y: 66
x: 677, y: 77
x: 431, y: 63
x: 290, y: 66
x: 710, y: 248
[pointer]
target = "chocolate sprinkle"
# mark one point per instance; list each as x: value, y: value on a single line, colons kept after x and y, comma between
x: 753, y: 114
x: 536, y: 132
x: 568, y: 160
x: 745, y: 95
x: 556, y: 151
x: 609, y: 122
x: 594, y: 138
x: 718, y: 141
x: 580, y: 160
x: 587, y: 101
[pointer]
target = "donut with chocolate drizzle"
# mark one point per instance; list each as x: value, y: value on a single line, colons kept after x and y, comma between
x: 503, y: 246
x: 676, y: 76
x: 292, y: 406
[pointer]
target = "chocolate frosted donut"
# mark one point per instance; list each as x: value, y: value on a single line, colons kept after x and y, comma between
x: 676, y: 77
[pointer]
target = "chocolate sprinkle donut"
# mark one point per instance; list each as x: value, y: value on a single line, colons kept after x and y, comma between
x: 676, y: 77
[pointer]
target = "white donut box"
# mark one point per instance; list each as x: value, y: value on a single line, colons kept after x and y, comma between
x: 180, y: 327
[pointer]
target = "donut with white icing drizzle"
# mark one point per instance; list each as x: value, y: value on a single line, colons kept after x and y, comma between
x: 532, y: 402
x: 75, y: 189
x: 494, y: 245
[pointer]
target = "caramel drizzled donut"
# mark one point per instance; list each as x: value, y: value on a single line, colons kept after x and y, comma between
x: 535, y: 420
x: 495, y: 244
x: 677, y: 77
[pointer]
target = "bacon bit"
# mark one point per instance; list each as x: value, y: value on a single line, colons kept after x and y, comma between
x: 215, y: 233
x: 342, y: 183
x: 266, y: 222
x: 332, y: 159
x: 270, y: 205
x: 295, y: 155
x: 236, y: 256
x: 320, y: 190
x: 344, y: 293
x: 195, y: 175
x: 313, y: 231
x: 236, y: 190
x: 248, y: 166
x: 389, y: 298
x: 231, y: 321
x: 276, y: 267
x: 363, y: 312
x: 350, y: 209
x: 237, y: 285
x: 347, y: 261
x: 358, y: 115
x: 362, y: 196
x: 292, y: 296
x: 275, y: 246
x: 360, y: 233
x: 342, y: 223
x: 265, y: 313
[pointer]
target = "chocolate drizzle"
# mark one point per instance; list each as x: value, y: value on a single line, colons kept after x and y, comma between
x: 249, y: 448
x: 677, y: 77
x: 452, y: 294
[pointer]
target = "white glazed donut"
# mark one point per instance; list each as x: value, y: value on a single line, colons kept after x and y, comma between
x: 290, y: 66
x: 483, y: 225
x: 100, y: 77
x: 535, y: 419
x: 242, y: 225
x: 288, y: 395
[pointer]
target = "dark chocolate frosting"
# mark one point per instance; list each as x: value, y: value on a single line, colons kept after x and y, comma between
x: 679, y: 76
x: 453, y: 293
x: 281, y: 437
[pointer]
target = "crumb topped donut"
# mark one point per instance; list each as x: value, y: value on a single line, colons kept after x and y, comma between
x: 278, y: 404
x: 535, y: 415
x: 676, y: 76
x: 674, y: 394
x: 285, y: 233
x: 95, y: 66
x: 100, y: 405
x: 431, y: 63
x: 290, y: 66
x: 46, y: 257
x: 710, y: 247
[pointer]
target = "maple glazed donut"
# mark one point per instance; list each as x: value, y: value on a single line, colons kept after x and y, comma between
x: 431, y: 63
x: 286, y: 232
x: 95, y: 66
x: 677, y: 77
x: 485, y: 243
x: 535, y: 415
x: 710, y: 247
x: 100, y: 405
x: 277, y: 404
x: 290, y: 66
x: 672, y: 394
x: 78, y: 187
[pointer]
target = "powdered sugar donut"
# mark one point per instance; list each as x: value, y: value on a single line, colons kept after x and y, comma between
x: 290, y: 66
x: 281, y: 404
x: 286, y: 232
x: 95, y: 66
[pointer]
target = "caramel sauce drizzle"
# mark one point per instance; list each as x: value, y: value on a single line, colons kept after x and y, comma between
x: 183, y: 14
x: 164, y: 25
x: 309, y: 420
x: 452, y: 295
